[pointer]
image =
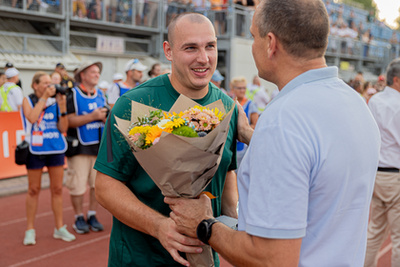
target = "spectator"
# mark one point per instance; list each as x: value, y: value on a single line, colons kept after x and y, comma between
x: 111, y: 9
x: 66, y: 79
x: 8, y: 66
x: 381, y: 83
x: 86, y: 117
x: 368, y: 91
x: 134, y: 74
x: 359, y: 77
x: 103, y: 86
x: 385, y: 206
x: 150, y: 10
x: 79, y: 9
x: 155, y: 70
x: 217, y: 79
x: 238, y: 88
x: 3, y: 79
x: 366, y: 38
x: 139, y: 12
x: 56, y: 78
x: 143, y: 234
x: 219, y: 22
x: 256, y: 93
x: 393, y: 44
x: 10, y: 92
x: 304, y: 195
x: 45, y: 120
x: 118, y: 77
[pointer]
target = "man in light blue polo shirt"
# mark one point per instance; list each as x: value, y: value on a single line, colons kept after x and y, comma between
x: 306, y: 181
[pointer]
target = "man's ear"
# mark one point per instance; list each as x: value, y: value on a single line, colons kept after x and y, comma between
x: 167, y: 50
x: 272, y: 44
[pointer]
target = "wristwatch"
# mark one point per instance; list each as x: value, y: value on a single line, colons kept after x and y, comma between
x: 204, y: 230
x: 64, y: 114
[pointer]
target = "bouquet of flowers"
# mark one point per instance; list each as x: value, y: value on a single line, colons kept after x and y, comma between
x: 196, y: 121
x: 180, y: 149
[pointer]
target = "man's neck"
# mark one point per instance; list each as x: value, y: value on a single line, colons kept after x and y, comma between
x: 88, y: 88
x: 191, y: 93
x: 298, y: 67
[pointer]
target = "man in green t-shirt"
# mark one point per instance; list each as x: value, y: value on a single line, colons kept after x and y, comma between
x: 143, y: 234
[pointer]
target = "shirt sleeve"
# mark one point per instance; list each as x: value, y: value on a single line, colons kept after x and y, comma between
x: 278, y: 191
x: 113, y: 93
x: 17, y: 96
x: 123, y: 163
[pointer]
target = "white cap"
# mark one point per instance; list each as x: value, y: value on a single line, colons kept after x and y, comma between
x: 103, y: 84
x: 135, y: 64
x: 11, y: 72
x: 118, y: 76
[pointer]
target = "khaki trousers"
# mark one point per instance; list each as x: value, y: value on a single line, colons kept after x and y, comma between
x: 384, y: 218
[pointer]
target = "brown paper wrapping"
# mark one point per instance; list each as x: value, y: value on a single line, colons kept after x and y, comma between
x: 181, y: 166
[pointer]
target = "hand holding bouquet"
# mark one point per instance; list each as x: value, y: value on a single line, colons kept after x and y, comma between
x: 180, y: 150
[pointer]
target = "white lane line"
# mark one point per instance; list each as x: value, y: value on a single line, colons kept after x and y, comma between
x: 385, y: 250
x: 48, y: 255
x: 39, y: 215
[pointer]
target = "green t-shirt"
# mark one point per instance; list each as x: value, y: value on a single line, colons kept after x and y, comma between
x: 129, y: 247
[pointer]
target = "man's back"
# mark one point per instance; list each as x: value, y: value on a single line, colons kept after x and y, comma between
x: 322, y: 145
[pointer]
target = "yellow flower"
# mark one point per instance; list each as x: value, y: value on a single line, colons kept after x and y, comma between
x: 139, y: 129
x: 152, y: 134
x: 175, y: 123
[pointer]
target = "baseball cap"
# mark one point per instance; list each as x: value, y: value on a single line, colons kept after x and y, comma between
x: 118, y: 76
x: 135, y: 64
x: 381, y: 78
x: 84, y: 66
x: 103, y: 84
x: 9, y: 65
x: 217, y: 76
x: 11, y: 72
x: 60, y: 65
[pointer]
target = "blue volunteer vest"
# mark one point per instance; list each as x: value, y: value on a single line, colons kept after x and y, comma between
x: 246, y: 107
x: 90, y: 133
x: 53, y: 141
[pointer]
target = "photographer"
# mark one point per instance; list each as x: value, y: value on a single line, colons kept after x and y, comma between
x: 44, y: 117
x: 87, y: 113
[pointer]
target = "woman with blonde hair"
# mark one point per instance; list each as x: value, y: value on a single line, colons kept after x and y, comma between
x: 238, y: 89
x: 44, y: 118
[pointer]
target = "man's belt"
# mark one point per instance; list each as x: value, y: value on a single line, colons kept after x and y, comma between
x: 380, y: 169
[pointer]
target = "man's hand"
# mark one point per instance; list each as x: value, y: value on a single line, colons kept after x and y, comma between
x: 173, y: 241
x: 244, y: 129
x: 188, y: 213
x: 99, y: 114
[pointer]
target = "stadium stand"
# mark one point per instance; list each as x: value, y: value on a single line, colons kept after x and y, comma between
x: 44, y: 32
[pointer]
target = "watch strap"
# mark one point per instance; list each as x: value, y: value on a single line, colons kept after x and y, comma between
x: 204, y: 236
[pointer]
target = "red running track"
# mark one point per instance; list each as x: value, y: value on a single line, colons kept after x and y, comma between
x: 87, y: 250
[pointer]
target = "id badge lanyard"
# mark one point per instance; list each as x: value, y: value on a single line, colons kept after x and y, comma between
x: 37, y: 136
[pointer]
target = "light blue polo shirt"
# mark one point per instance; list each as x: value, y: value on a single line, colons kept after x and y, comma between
x: 310, y: 168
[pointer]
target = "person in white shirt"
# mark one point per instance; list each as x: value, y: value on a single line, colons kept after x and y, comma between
x: 10, y: 92
x: 385, y: 205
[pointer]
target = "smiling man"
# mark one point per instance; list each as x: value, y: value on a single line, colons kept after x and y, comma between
x: 143, y: 234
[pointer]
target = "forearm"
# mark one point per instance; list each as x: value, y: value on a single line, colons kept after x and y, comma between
x: 75, y: 121
x: 242, y: 249
x: 62, y: 124
x: 32, y: 115
x: 230, y: 195
x: 114, y: 196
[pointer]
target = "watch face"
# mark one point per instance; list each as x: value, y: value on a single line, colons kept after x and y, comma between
x: 202, y: 230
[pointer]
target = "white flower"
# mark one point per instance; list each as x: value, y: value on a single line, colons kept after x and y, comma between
x: 162, y: 123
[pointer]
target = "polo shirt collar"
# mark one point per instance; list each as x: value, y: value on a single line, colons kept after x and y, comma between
x: 307, y: 77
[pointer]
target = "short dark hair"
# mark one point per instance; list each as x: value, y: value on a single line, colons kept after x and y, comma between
x: 393, y: 70
x: 302, y: 26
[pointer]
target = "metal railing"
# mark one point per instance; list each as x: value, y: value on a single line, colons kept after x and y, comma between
x: 151, y: 17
